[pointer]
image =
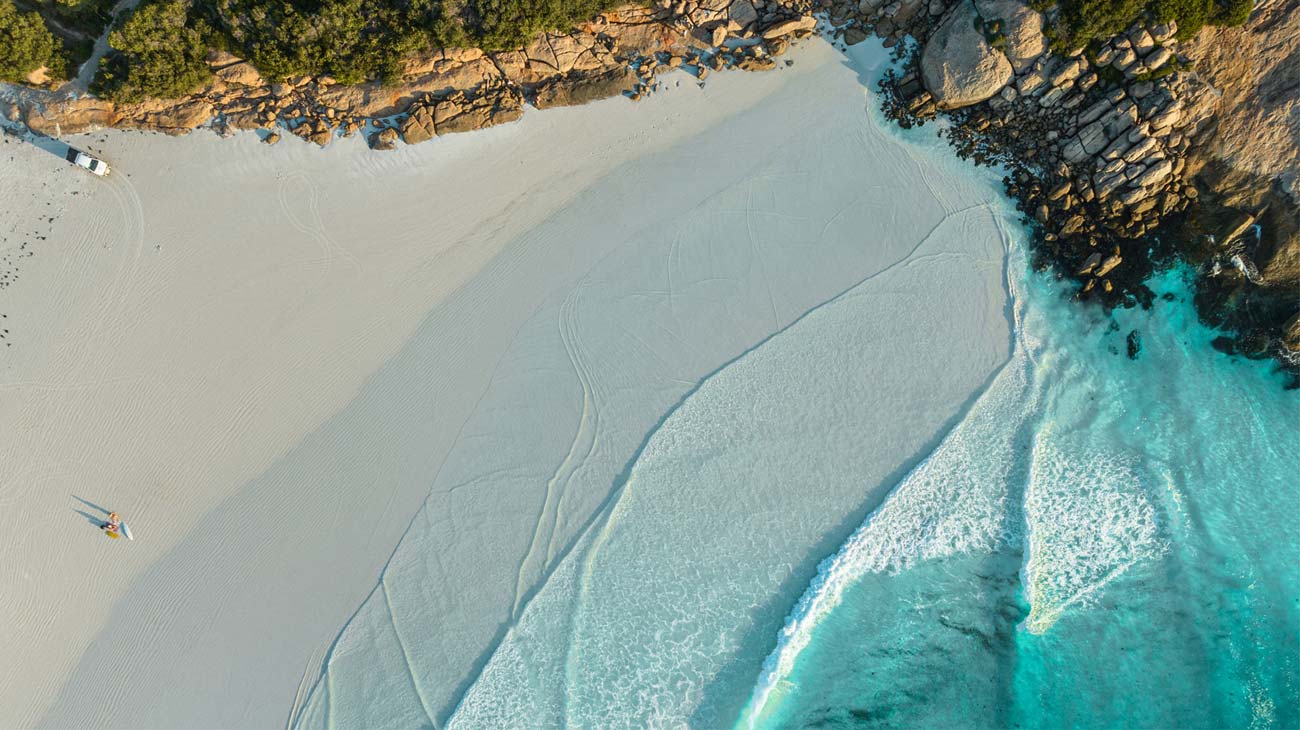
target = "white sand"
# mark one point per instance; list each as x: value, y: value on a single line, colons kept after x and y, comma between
x: 264, y: 358
x: 696, y: 514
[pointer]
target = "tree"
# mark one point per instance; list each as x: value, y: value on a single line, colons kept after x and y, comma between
x: 25, y: 43
x: 160, y: 53
x: 1083, y: 21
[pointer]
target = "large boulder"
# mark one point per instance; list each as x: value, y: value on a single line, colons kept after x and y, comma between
x: 170, y: 117
x: 959, y: 66
x: 786, y: 27
x: 582, y: 88
x: 418, y: 126
x: 38, y: 76
x: 1021, y: 27
x: 490, y: 107
x: 70, y: 116
x: 742, y: 13
x: 384, y: 139
x: 239, y: 74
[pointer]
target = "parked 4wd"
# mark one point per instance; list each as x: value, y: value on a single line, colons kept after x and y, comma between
x: 94, y: 164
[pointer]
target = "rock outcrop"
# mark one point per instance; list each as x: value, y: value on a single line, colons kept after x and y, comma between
x: 1106, y: 146
x: 384, y: 139
x: 453, y: 90
x: 1246, y: 164
x: 1021, y: 28
x: 240, y: 73
x: 418, y: 126
x: 69, y: 116
x: 1128, y: 160
x: 1255, y: 72
x: 959, y: 66
x: 786, y: 27
x: 576, y: 89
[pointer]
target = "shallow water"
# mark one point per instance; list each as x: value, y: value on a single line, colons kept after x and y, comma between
x: 1055, y: 534
x: 1134, y: 552
x: 667, y: 448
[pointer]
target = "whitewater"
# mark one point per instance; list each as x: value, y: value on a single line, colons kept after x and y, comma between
x: 599, y: 388
x: 671, y: 443
x: 1106, y: 540
x: 944, y: 495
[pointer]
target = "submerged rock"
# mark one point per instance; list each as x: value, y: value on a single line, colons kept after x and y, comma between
x: 1134, y: 342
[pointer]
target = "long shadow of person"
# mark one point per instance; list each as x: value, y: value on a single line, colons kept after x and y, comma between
x: 95, y: 520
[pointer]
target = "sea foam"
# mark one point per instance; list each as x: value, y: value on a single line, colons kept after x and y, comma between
x: 1145, y: 584
x: 661, y: 456
x: 638, y: 626
x: 1004, y: 478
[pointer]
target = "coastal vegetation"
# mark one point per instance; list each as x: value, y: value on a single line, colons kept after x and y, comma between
x: 159, y: 48
x: 26, y: 44
x: 1086, y: 21
x: 352, y: 40
x: 74, y: 19
x: 159, y: 52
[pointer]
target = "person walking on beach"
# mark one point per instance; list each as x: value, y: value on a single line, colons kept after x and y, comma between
x: 113, y: 525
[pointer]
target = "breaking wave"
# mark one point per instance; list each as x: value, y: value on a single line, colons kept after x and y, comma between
x: 1016, y: 473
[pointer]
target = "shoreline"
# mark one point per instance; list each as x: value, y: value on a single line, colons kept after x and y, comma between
x: 290, y: 275
x: 923, y: 322
x: 88, y: 667
x: 1112, y: 238
x: 1176, y: 201
x: 260, y: 288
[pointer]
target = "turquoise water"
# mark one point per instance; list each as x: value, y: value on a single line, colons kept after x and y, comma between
x: 1141, y: 570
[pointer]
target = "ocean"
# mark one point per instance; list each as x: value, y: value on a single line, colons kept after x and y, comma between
x: 1105, y: 541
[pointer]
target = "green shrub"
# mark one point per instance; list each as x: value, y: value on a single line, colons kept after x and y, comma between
x: 159, y: 49
x: 499, y: 24
x: 1086, y: 20
x: 354, y: 40
x: 1083, y: 21
x: 25, y: 44
x: 1192, y: 15
x: 88, y: 17
x: 159, y: 52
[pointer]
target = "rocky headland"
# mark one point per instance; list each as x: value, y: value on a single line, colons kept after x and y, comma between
x: 1134, y: 153
x: 1126, y: 154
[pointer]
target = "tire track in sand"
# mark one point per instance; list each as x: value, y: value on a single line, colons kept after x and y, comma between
x: 541, y: 550
x: 314, y: 226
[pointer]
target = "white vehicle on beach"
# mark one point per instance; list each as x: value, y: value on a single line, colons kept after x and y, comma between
x: 94, y: 164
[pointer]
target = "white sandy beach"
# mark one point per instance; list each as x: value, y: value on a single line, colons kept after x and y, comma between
x: 283, y: 364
